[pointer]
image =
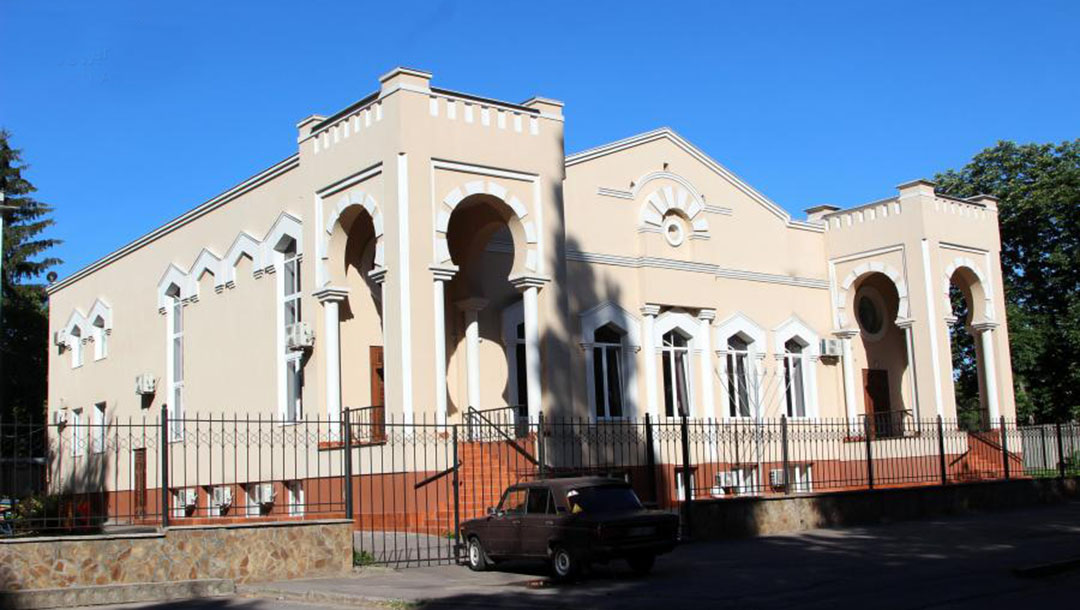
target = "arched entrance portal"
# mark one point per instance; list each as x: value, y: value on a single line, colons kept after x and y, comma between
x: 883, y: 343
x: 355, y: 272
x: 971, y: 342
x: 481, y: 291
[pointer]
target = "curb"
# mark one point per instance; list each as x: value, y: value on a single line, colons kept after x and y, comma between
x: 96, y: 595
x: 324, y: 597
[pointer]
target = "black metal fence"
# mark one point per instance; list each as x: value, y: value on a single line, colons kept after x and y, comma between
x: 409, y: 484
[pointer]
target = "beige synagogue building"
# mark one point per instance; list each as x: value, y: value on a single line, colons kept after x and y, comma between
x: 431, y: 251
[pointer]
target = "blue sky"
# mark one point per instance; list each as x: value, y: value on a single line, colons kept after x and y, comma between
x: 133, y: 112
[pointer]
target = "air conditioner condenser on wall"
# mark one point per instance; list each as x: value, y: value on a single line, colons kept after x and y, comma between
x: 299, y: 336
x: 831, y: 348
x: 145, y: 384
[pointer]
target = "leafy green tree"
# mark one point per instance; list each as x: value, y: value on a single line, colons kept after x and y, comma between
x: 24, y: 326
x: 1038, y: 187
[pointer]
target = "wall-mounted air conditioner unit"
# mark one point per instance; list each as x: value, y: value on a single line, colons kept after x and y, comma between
x: 221, y: 499
x: 145, y: 384
x: 727, y: 479
x: 60, y: 338
x: 776, y: 477
x: 299, y: 336
x: 60, y: 418
x: 262, y: 494
x: 831, y: 348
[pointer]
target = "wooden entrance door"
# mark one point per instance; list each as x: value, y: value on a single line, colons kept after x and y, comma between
x: 138, y: 466
x: 876, y: 397
x: 378, y: 394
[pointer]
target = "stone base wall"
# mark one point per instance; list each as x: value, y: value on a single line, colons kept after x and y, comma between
x: 742, y: 517
x: 241, y: 553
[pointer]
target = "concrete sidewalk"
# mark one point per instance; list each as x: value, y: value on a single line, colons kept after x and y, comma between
x: 965, y: 561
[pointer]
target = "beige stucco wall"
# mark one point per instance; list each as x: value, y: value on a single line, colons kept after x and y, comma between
x: 406, y: 156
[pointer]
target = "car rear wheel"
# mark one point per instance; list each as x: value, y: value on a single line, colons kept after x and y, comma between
x: 565, y: 565
x: 476, y: 557
x: 641, y: 564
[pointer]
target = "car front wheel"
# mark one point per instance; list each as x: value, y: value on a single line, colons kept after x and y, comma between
x: 564, y: 564
x: 477, y: 558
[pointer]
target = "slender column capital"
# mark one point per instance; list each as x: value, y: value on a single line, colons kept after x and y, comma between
x: 706, y: 315
x: 524, y: 281
x: 982, y: 327
x: 950, y: 319
x: 378, y: 275
x: 331, y: 294
x: 472, y: 304
x: 443, y: 273
x: 846, y: 333
x: 905, y: 323
x: 650, y: 310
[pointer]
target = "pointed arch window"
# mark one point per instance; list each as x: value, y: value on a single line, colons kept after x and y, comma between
x: 675, y: 359
x: 175, y: 325
x: 607, y: 371
x: 738, y: 364
x: 795, y: 378
x: 292, y: 314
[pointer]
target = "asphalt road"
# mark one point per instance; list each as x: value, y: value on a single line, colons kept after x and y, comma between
x: 981, y: 561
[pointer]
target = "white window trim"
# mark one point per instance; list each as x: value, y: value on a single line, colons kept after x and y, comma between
x: 755, y: 337
x: 795, y: 328
x: 674, y: 385
x: 598, y: 317
x: 697, y: 344
x: 97, y: 429
x: 280, y: 235
x: 286, y: 358
x: 77, y: 432
x: 176, y: 411
x: 295, y: 492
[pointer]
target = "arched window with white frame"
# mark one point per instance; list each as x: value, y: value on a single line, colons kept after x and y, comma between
x: 740, y: 345
x: 291, y: 315
x: 611, y: 337
x: 797, y: 350
x: 76, y: 344
x: 738, y: 377
x: 608, y: 374
x: 175, y: 333
x: 675, y: 361
x: 794, y: 379
x: 101, y: 345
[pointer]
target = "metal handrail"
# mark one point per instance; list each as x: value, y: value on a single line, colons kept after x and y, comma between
x: 471, y: 412
x: 902, y: 419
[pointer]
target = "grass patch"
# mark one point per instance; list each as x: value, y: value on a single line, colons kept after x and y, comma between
x: 362, y: 558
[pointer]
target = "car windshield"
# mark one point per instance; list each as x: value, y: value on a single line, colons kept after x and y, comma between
x: 602, y: 499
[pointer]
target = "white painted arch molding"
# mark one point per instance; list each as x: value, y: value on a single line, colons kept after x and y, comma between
x: 674, y: 199
x: 99, y: 311
x: 458, y: 194
x: 984, y: 286
x: 360, y: 198
x: 224, y: 268
x: 903, y: 309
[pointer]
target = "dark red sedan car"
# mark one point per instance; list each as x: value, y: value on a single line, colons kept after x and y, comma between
x: 571, y: 523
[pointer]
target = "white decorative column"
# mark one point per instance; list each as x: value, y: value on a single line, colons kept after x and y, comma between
x: 913, y: 384
x: 649, y: 313
x: 845, y: 337
x: 986, y: 338
x: 331, y: 297
x: 707, y: 408
x: 529, y: 286
x: 442, y: 275
x: 471, y: 308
